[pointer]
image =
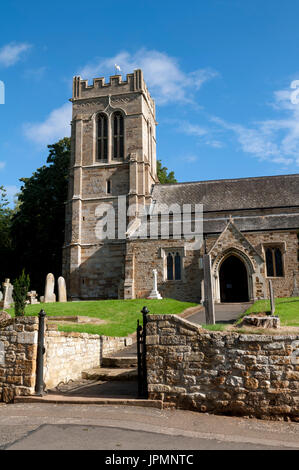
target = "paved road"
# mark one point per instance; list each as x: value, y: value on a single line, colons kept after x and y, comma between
x: 48, y: 426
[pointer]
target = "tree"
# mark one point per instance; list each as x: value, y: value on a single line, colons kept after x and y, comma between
x: 6, y: 255
x: 20, y: 289
x: 38, y: 225
x: 162, y: 174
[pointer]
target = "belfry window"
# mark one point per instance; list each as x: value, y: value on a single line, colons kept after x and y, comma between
x: 174, y: 266
x: 102, y: 135
x: 118, y: 135
x: 274, y: 262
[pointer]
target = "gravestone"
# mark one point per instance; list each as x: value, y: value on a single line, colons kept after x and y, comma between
x: 62, y: 297
x: 32, y: 296
x: 208, y: 291
x: 49, y: 289
x: 295, y: 292
x: 7, y: 299
x: 155, y: 293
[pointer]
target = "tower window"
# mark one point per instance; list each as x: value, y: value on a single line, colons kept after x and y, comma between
x: 118, y: 135
x: 102, y: 137
x: 108, y: 187
x: 274, y: 262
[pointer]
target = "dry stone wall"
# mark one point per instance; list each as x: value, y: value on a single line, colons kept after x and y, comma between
x: 223, y: 373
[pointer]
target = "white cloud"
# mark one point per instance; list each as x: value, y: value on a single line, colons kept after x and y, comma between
x: 192, y: 129
x: 2, y: 165
x: 206, y: 135
x: 190, y: 158
x: 54, y: 127
x: 11, y: 53
x: 35, y: 74
x: 273, y: 139
x: 162, y: 73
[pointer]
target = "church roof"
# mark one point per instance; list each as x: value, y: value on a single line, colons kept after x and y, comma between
x: 232, y: 194
x: 260, y: 203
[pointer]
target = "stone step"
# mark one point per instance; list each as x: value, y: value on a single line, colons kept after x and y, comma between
x: 61, y: 399
x: 102, y: 373
x: 124, y: 362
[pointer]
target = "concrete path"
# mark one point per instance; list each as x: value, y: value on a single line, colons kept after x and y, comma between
x: 224, y: 313
x: 46, y: 426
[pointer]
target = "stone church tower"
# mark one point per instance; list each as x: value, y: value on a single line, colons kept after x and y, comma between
x: 113, y: 153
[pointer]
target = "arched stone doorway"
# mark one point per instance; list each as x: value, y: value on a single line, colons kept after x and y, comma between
x: 233, y: 280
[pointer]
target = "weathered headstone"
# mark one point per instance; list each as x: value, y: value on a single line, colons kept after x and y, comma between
x: 295, y: 292
x: 49, y: 289
x: 32, y: 296
x: 208, y: 291
x: 62, y: 297
x: 155, y: 293
x: 272, y: 301
x: 7, y: 299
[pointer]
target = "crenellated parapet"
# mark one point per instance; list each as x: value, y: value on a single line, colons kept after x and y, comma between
x: 134, y: 83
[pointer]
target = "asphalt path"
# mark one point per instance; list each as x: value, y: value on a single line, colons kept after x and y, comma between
x: 92, y: 427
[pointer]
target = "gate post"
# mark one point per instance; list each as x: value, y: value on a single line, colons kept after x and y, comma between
x: 144, y: 312
x: 39, y: 386
x: 141, y: 355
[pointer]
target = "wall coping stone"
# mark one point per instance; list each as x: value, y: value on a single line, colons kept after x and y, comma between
x: 243, y: 337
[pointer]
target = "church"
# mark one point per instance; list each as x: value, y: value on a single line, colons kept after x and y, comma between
x: 249, y: 226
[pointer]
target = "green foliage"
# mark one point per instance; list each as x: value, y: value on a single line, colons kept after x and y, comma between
x: 5, y: 238
x: 20, y: 289
x: 38, y: 225
x: 163, y: 176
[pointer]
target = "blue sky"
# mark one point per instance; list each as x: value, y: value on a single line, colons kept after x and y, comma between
x: 220, y: 72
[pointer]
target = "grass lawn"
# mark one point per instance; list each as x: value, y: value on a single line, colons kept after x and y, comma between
x: 121, y: 315
x: 287, y: 308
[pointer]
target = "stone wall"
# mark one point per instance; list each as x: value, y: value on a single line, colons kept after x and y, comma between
x: 18, y: 350
x: 111, y: 344
x: 68, y: 354
x: 150, y: 254
x: 223, y: 373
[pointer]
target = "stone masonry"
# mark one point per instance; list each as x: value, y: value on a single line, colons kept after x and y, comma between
x: 67, y: 354
x: 241, y: 217
x: 222, y: 373
x: 18, y: 350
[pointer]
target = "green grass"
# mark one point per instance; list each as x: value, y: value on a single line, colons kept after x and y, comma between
x: 121, y: 315
x: 287, y: 308
x: 216, y: 327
